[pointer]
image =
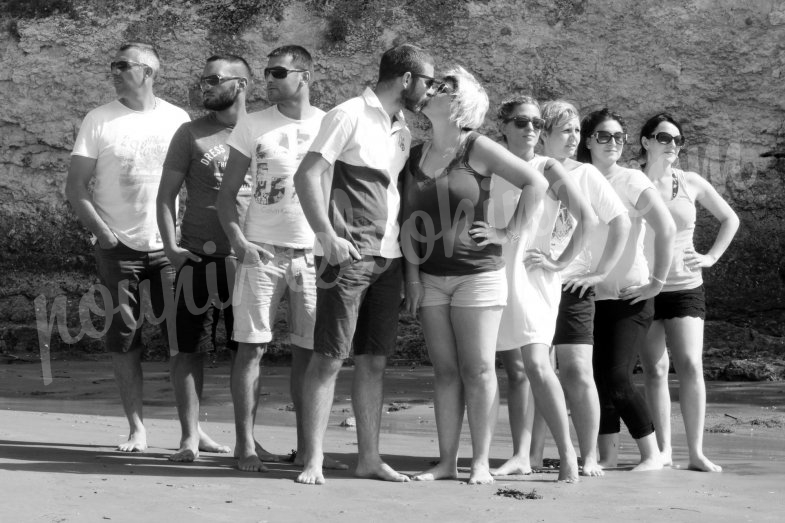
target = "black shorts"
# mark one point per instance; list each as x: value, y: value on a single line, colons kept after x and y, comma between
x: 575, y: 322
x: 680, y: 304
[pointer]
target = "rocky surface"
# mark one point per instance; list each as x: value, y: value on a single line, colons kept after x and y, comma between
x: 717, y: 65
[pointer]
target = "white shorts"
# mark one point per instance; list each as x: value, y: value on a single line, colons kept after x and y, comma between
x: 484, y: 289
x: 258, y: 290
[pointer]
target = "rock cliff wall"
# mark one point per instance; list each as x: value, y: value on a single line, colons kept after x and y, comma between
x: 718, y: 65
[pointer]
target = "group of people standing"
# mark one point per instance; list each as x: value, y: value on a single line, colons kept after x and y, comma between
x: 337, y: 212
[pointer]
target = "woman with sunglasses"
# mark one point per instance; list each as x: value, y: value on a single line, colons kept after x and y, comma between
x: 534, y: 290
x: 574, y: 333
x: 455, y: 272
x: 623, y: 307
x: 680, y: 309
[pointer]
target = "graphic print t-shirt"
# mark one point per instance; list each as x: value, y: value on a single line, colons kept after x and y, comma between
x: 276, y: 145
x: 129, y: 148
x: 199, y: 151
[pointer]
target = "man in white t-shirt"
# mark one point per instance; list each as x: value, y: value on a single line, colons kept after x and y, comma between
x: 122, y: 145
x: 275, y: 245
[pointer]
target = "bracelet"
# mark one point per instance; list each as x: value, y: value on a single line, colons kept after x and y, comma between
x: 413, y: 283
x: 653, y: 277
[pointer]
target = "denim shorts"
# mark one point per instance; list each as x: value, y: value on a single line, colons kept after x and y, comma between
x: 203, y: 290
x: 135, y: 279
x: 484, y: 289
x: 357, y: 307
x: 258, y: 291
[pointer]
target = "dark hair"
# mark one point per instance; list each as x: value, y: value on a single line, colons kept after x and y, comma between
x: 402, y: 59
x: 234, y: 60
x: 148, y: 54
x: 589, y: 123
x: 508, y: 105
x: 648, y: 129
x: 300, y: 57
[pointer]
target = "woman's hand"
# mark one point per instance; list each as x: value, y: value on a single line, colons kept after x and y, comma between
x: 178, y: 256
x: 694, y: 260
x: 638, y: 293
x: 483, y: 234
x: 414, y: 295
x: 584, y: 283
x: 537, y: 259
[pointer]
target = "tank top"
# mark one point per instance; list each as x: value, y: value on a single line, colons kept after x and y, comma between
x: 682, y: 209
x: 444, y: 208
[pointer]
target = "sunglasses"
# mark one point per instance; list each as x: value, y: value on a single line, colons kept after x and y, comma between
x: 124, y: 65
x: 444, y: 87
x: 522, y: 122
x: 429, y: 80
x: 207, y: 82
x: 279, y: 73
x: 666, y: 138
x: 604, y: 137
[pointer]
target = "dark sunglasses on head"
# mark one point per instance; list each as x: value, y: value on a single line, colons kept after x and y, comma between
x: 206, y: 82
x: 429, y: 80
x: 521, y: 122
x: 605, y: 137
x: 125, y: 65
x: 279, y: 73
x: 666, y: 138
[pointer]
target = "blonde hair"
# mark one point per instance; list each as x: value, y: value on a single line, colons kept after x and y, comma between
x: 557, y: 112
x: 469, y: 102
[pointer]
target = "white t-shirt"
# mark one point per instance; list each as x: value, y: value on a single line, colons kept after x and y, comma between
x: 130, y: 148
x: 632, y: 268
x: 276, y: 144
x: 606, y: 205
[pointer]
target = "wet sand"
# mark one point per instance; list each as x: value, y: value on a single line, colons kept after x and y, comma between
x: 58, y: 463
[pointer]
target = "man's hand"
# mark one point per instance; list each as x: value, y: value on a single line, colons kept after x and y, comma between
x: 251, y: 254
x: 340, y: 251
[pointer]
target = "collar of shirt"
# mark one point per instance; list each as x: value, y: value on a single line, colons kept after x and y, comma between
x: 399, y: 122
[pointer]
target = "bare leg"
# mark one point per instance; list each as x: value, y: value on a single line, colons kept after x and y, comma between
x: 300, y: 359
x: 685, y: 336
x: 650, y: 454
x: 128, y: 375
x: 655, y: 362
x: 549, y: 401
x: 448, y: 390
x: 245, y: 396
x: 186, y: 370
x: 608, y: 448
x: 577, y: 379
x: 318, y: 390
x: 521, y: 412
x: 539, y: 433
x: 368, y: 400
x: 475, y: 335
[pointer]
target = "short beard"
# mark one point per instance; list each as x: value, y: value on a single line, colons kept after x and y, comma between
x: 221, y: 102
x: 410, y: 102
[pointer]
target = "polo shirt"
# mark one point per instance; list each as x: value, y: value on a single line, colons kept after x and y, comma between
x: 367, y: 151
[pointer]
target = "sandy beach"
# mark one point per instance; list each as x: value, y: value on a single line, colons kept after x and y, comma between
x: 58, y: 463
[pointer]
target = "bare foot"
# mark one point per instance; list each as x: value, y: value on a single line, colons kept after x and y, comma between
x: 184, y: 455
x: 311, y: 474
x: 608, y: 464
x: 568, y: 469
x: 379, y: 470
x: 250, y: 463
x: 137, y: 442
x: 667, y: 457
x: 269, y: 457
x: 206, y: 444
x: 653, y: 463
x: 515, y: 466
x: 701, y: 463
x: 328, y: 463
x: 438, y: 472
x: 480, y: 476
x: 592, y: 468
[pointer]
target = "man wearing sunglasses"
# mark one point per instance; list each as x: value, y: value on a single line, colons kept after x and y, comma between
x: 197, y: 157
x: 275, y: 244
x: 122, y: 145
x: 348, y: 187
